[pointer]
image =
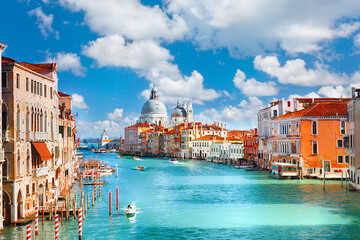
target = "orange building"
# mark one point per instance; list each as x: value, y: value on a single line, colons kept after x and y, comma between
x: 312, y: 137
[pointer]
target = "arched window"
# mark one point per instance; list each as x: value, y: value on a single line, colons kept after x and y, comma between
x: 18, y: 164
x: 28, y: 162
x: 18, y: 117
x: 5, y: 169
x: 27, y: 119
x: 4, y: 117
x: 314, y: 128
x: 315, y: 147
x: 45, y: 122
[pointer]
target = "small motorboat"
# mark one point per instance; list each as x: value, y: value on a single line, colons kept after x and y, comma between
x: 140, y: 168
x: 240, y: 166
x: 119, y: 156
x: 173, y: 160
x: 130, y: 212
x: 136, y: 158
x: 113, y: 150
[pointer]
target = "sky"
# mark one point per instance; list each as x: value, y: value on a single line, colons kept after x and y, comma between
x: 229, y: 57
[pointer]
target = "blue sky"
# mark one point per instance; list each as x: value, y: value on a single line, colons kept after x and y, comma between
x: 231, y: 58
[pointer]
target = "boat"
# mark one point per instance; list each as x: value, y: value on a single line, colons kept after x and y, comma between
x: 93, y: 183
x: 242, y: 166
x: 113, y: 150
x: 284, y: 171
x: 173, y: 160
x: 140, y: 168
x: 130, y: 212
x: 136, y: 158
x: 105, y: 171
x: 119, y: 156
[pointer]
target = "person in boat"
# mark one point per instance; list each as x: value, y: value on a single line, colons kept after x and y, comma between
x: 129, y: 207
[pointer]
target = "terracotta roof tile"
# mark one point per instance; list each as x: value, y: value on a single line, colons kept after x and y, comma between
x: 320, y: 109
x: 61, y: 94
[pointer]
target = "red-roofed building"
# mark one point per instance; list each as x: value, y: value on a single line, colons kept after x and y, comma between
x: 312, y: 137
x: 133, y: 139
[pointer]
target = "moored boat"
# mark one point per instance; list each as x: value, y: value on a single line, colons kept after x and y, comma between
x: 136, y: 158
x: 140, y: 168
x: 242, y: 166
x: 284, y: 171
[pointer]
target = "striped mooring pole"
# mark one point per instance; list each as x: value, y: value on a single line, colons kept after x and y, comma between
x: 57, y: 226
x: 95, y: 187
x: 110, y: 203
x: 80, y: 223
x: 28, y: 232
x: 37, y: 220
x: 99, y: 185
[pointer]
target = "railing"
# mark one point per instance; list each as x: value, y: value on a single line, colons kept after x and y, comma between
x: 42, y: 171
x: 32, y: 136
x: 22, y: 135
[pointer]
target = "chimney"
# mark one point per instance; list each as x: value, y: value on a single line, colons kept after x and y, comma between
x: 352, y: 92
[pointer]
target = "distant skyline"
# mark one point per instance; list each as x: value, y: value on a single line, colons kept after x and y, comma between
x: 231, y: 58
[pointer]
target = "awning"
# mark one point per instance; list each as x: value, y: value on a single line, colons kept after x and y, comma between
x: 43, y: 151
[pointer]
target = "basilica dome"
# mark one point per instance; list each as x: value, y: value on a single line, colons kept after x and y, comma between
x: 153, y: 106
x: 178, y: 112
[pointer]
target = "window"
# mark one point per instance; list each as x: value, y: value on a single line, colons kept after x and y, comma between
x: 275, y: 113
x: 45, y: 91
x: 51, y: 93
x: 289, y: 104
x: 4, y: 79
x: 61, y: 130
x: 27, y: 84
x: 314, y: 147
x: 342, y: 127
x: 53, y: 182
x: 314, y: 128
x: 347, y: 159
x: 17, y: 80
x: 40, y: 89
x: 69, y: 131
x: 340, y: 159
x: 32, y: 86
x: 339, y: 143
x: 33, y: 187
x: 27, y: 189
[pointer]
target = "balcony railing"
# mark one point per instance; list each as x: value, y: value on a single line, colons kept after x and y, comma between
x: 42, y: 171
x: 22, y: 135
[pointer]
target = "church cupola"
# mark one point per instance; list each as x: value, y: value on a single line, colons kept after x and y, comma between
x: 154, y: 95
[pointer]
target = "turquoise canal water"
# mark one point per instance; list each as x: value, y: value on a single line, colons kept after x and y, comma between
x: 199, y: 200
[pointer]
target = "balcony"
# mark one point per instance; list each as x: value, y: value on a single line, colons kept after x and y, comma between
x: 42, y: 171
x: 31, y: 136
x: 41, y: 136
x: 20, y: 135
x: 5, y: 135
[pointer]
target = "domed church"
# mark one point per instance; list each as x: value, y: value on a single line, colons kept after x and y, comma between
x: 181, y: 114
x: 154, y: 112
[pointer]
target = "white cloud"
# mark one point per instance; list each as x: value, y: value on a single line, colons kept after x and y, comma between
x: 44, y: 22
x: 116, y: 115
x: 251, y: 87
x: 114, y: 124
x: 69, y: 62
x: 114, y: 51
x: 250, y: 27
x: 336, y: 91
x: 129, y: 18
x: 244, y: 114
x: 295, y: 72
x: 153, y: 62
x: 78, y: 102
x: 309, y: 95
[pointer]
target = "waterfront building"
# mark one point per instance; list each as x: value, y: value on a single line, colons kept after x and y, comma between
x: 312, y: 137
x: 30, y: 135
x: 276, y: 109
x: 106, y: 142
x: 352, y: 139
x: 133, y: 140
x: 156, y: 140
x: 251, y: 147
x: 227, y: 150
x: 195, y: 130
x: 65, y: 153
x: 2, y: 48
